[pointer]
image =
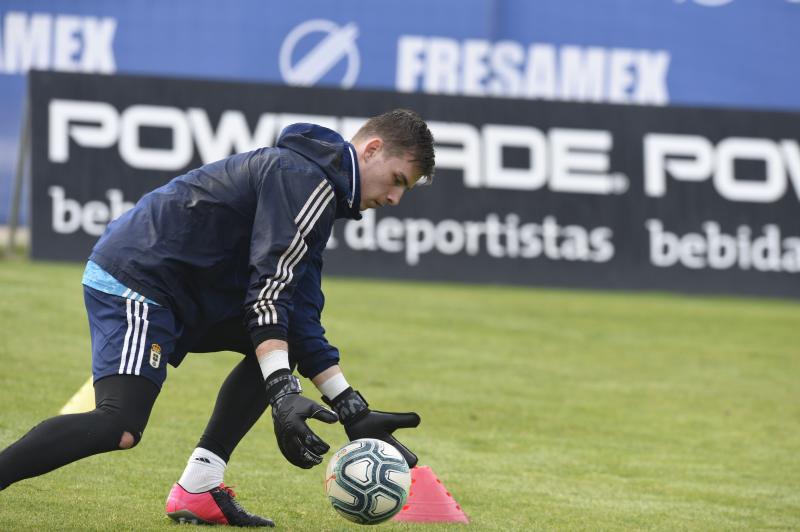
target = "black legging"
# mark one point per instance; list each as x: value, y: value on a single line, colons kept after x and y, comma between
x: 242, y: 398
x: 241, y: 401
x: 124, y: 403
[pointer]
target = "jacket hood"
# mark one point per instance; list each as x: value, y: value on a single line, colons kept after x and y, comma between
x: 335, y: 156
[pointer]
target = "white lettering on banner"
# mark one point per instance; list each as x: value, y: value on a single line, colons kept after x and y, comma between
x: 508, y: 238
x: 68, y: 215
x: 566, y: 160
x: 766, y: 252
x: 67, y: 43
x: 100, y: 125
x: 695, y: 158
x: 61, y: 127
x: 232, y: 133
x: 173, y: 158
x: 474, y: 67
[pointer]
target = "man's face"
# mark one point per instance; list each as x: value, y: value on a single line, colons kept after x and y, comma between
x: 384, y: 179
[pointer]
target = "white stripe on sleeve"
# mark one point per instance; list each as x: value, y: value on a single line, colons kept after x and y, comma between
x: 292, y: 255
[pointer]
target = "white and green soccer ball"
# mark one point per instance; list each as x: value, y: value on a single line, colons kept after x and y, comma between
x: 367, y: 481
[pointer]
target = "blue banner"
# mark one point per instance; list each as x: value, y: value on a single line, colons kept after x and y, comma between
x: 723, y: 53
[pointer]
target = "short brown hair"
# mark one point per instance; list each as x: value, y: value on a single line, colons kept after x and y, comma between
x: 403, y: 131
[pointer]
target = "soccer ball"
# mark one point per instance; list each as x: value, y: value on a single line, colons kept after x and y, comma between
x: 367, y: 481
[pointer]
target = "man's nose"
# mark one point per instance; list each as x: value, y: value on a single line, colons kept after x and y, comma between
x: 393, y: 197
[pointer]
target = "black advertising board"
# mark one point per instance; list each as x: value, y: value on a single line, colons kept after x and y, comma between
x: 526, y: 192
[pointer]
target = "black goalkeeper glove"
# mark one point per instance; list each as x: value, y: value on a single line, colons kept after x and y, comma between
x: 361, y: 422
x: 290, y: 410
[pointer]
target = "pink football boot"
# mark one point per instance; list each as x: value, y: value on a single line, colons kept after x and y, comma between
x: 215, y: 507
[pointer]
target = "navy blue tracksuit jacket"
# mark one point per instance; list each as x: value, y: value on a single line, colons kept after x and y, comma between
x: 243, y: 237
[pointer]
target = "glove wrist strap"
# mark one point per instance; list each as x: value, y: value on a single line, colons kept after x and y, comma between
x: 350, y: 405
x: 280, y: 384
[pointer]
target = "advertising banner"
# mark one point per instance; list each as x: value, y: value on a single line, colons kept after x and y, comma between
x: 723, y: 53
x: 526, y: 192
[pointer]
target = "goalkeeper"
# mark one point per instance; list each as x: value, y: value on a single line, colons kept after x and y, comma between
x: 228, y: 257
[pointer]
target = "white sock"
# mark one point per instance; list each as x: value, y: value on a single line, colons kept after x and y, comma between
x: 204, y: 471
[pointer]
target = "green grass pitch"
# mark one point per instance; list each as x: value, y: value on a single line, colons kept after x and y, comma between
x: 541, y: 409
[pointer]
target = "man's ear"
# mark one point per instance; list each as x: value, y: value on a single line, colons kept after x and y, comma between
x: 372, y: 147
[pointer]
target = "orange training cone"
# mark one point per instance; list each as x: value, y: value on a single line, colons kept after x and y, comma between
x: 429, y: 501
